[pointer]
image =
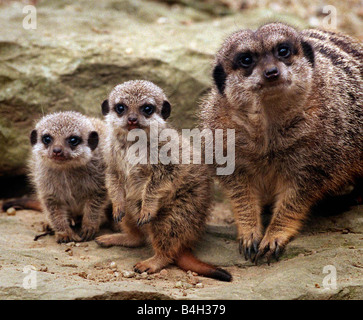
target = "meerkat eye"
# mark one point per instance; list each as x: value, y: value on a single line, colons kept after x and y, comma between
x: 246, y: 60
x: 74, y: 141
x: 46, y: 139
x: 120, y: 108
x: 148, y: 109
x: 283, y: 51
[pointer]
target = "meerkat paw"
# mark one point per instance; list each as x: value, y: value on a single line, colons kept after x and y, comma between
x: 151, y: 265
x: 272, y: 245
x: 145, y: 217
x: 119, y: 239
x: 249, y: 242
x: 88, y: 232
x: 67, y: 236
x: 118, y: 212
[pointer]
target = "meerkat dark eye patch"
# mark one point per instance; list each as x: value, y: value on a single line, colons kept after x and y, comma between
x: 243, y: 60
x: 33, y: 137
x: 219, y: 77
x: 105, y: 107
x: 165, y: 110
x: 74, y: 141
x: 308, y: 52
x: 284, y: 50
x: 93, y: 140
x: 120, y: 108
x: 147, y: 109
x: 47, y: 139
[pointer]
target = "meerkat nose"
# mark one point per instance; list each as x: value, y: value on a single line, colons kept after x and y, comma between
x: 132, y: 120
x: 57, y: 150
x: 271, y: 73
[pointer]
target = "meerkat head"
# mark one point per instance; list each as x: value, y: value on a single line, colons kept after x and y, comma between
x: 270, y: 64
x: 136, y: 104
x: 64, y: 139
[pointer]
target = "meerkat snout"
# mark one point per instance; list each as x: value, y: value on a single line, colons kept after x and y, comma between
x: 272, y: 73
x: 128, y: 108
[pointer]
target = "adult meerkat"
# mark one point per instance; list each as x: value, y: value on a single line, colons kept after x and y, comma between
x: 68, y: 172
x: 295, y: 102
x: 166, y: 205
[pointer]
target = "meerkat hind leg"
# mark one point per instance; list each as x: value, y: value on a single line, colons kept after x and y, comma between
x: 120, y: 239
x: 152, y: 265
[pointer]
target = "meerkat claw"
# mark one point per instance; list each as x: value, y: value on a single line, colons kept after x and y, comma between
x: 144, y: 219
x: 118, y: 218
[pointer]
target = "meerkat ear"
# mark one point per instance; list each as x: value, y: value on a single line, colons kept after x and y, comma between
x: 33, y: 137
x: 105, y: 107
x: 165, y: 110
x: 308, y: 52
x: 219, y: 77
x: 93, y: 140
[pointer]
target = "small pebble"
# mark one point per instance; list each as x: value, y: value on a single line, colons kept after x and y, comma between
x: 163, y: 273
x: 162, y: 20
x: 178, y: 284
x: 199, y: 285
x: 128, y: 274
x: 129, y: 50
x: 43, y: 269
x: 11, y: 212
x: 113, y: 265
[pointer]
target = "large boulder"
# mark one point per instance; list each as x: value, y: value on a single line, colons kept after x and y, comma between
x: 80, y: 50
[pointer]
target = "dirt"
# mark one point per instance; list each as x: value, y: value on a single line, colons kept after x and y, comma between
x: 86, y: 271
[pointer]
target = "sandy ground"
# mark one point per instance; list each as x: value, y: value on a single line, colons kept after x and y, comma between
x: 85, y: 271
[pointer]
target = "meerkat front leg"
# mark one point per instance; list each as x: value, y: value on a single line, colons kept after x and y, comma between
x: 247, y: 212
x: 58, y: 218
x: 155, y: 190
x: 288, y: 216
x: 91, y: 220
x: 117, y: 193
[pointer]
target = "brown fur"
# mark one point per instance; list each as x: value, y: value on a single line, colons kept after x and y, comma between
x: 298, y: 136
x: 70, y: 186
x: 166, y: 205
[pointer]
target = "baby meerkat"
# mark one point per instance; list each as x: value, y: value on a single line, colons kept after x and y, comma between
x: 166, y: 205
x: 68, y: 172
x: 295, y: 102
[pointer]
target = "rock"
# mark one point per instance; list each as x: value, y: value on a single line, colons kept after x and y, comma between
x: 74, y: 65
x: 128, y: 274
x: 163, y: 273
x: 113, y: 265
x: 11, y: 212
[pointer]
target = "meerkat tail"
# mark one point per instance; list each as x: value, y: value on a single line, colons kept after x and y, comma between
x: 23, y: 204
x: 187, y: 261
